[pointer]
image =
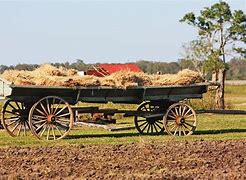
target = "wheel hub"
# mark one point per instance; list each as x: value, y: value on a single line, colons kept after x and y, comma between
x: 51, y: 118
x: 150, y: 120
x: 180, y: 120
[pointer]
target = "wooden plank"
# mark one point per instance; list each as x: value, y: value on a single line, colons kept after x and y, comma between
x: 121, y: 128
x: 79, y: 123
x: 239, y: 112
x: 103, y: 126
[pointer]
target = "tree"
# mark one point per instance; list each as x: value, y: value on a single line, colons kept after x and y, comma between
x: 197, y: 52
x: 223, y: 31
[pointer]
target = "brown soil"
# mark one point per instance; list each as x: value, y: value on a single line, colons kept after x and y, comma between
x: 159, y: 160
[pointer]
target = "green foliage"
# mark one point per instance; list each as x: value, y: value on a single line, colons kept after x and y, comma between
x: 154, y: 67
x: 214, y: 63
x: 196, y: 52
x: 219, y: 27
x: 207, y: 102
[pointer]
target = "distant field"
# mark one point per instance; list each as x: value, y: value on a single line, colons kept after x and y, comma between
x: 235, y: 82
x: 209, y: 127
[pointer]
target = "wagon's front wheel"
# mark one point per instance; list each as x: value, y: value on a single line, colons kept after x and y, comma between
x: 15, y: 118
x: 180, y: 120
x: 51, y: 118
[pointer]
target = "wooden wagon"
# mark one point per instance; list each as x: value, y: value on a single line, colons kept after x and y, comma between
x: 49, y: 112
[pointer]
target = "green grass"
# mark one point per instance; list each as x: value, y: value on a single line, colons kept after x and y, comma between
x: 220, y: 127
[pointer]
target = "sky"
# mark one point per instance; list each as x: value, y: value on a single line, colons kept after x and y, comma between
x: 96, y: 31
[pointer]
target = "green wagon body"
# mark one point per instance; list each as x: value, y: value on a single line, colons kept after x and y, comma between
x: 134, y: 95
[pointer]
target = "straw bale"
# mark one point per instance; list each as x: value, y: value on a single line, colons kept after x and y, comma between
x: 48, y: 75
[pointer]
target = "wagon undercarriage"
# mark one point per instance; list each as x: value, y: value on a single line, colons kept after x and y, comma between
x: 52, y: 117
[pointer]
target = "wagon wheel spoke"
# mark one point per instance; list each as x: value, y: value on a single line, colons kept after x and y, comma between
x: 15, y: 127
x: 64, y: 127
x: 158, y: 126
x: 145, y: 127
x: 44, y: 109
x: 145, y: 124
x: 42, y: 132
x: 12, y: 107
x: 53, y: 133
x: 159, y: 122
x: 186, y: 127
x: 156, y: 130
x: 51, y: 122
x: 152, y: 129
x: 184, y: 122
x: 57, y: 106
x: 40, y: 111
x: 52, y: 105
x: 60, y: 111
x: 24, y: 126
x: 48, y: 133
x: 11, y: 112
x: 62, y: 115
x: 189, y: 125
x: 58, y: 130
x: 171, y: 124
x: 183, y: 130
x: 14, y: 117
x: 176, y: 111
x: 48, y: 106
x: 177, y: 127
x: 19, y: 129
x: 13, y: 122
x: 18, y: 106
x: 40, y: 127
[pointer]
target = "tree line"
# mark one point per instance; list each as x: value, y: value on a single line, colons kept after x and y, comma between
x: 236, y: 67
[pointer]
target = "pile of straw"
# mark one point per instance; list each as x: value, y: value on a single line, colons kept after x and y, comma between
x: 47, y: 75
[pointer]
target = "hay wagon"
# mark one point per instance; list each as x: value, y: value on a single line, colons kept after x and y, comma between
x: 49, y: 112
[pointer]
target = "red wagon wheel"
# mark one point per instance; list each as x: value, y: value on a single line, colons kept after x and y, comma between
x: 146, y: 123
x: 180, y: 120
x: 15, y: 118
x: 51, y: 118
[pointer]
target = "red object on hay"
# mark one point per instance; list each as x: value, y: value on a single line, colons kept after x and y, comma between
x: 107, y: 69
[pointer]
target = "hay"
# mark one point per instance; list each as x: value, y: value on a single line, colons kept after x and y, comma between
x: 126, y: 78
x: 85, y: 81
x: 47, y: 75
x: 49, y: 70
x: 184, y: 77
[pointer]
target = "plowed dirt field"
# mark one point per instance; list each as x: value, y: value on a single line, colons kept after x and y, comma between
x: 157, y: 160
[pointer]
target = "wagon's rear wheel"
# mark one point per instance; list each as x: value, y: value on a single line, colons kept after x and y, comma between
x: 180, y: 120
x: 15, y: 118
x: 51, y: 118
x: 148, y: 123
